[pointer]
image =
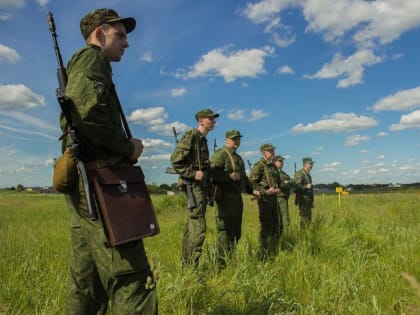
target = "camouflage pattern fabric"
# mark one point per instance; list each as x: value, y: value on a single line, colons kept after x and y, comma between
x: 101, y: 275
x: 190, y: 155
x: 229, y: 203
x: 264, y: 175
x: 304, y: 196
x: 283, y: 197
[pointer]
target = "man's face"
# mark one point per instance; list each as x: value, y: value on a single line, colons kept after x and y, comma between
x: 233, y: 143
x: 268, y: 155
x: 207, y: 123
x: 308, y: 166
x: 279, y: 164
x: 114, y: 41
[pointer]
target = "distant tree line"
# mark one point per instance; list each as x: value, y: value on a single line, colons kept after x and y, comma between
x: 320, y: 188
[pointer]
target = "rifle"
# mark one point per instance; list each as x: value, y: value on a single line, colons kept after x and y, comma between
x: 214, y: 145
x: 191, y: 202
x: 77, y: 147
x: 249, y: 165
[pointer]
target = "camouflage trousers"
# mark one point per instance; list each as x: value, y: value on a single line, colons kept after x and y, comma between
x: 101, y: 275
x: 195, y: 227
x: 271, y: 227
x: 228, y: 224
x: 284, y: 210
x: 305, y: 211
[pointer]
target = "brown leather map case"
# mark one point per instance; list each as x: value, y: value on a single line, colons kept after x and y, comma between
x: 125, y: 205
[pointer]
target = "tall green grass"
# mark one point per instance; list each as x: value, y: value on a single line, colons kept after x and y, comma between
x: 350, y: 261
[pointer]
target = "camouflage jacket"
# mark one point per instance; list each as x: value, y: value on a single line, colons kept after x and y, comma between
x: 94, y: 105
x: 264, y: 175
x: 224, y: 162
x: 302, y: 178
x: 191, y: 154
x: 285, y: 187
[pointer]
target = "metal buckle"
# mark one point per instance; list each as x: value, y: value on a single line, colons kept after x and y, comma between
x: 123, y: 186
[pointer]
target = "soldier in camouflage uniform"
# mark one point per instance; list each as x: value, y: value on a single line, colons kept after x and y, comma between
x: 286, y: 183
x: 100, y: 274
x: 230, y: 180
x: 191, y: 161
x: 304, y: 192
x: 266, y: 181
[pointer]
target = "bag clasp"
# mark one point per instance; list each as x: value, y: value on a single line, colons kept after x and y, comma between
x: 123, y: 186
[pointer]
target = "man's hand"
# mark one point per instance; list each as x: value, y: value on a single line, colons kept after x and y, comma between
x: 138, y: 148
x: 308, y: 186
x: 272, y: 191
x: 199, y: 175
x: 235, y: 176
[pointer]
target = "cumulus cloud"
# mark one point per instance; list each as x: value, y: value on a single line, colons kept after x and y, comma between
x: 408, y: 121
x: 229, y: 64
x: 285, y: 70
x: 155, y: 119
x: 178, y: 91
x: 155, y: 158
x: 337, y: 122
x: 400, y: 101
x: 8, y: 4
x: 350, y: 69
x: 367, y: 25
x: 243, y: 115
x: 147, y: 57
x: 356, y: 139
x: 8, y: 55
x: 331, y: 167
x: 156, y: 144
x: 16, y: 97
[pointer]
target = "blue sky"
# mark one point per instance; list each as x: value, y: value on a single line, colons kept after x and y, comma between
x: 334, y: 80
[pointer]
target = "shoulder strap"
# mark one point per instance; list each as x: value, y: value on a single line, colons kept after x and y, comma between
x: 269, y: 179
x: 232, y: 161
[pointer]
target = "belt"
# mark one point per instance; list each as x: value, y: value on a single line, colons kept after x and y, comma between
x: 102, y: 163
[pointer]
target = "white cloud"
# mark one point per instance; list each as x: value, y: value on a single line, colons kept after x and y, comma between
x: 400, y: 101
x: 383, y: 134
x: 338, y: 122
x: 242, y: 115
x: 156, y: 144
x: 43, y: 3
x: 4, y: 4
x: 147, y: 57
x: 257, y: 114
x: 408, y: 121
x: 285, y: 70
x: 231, y: 65
x: 331, y: 167
x: 350, y: 69
x: 16, y: 97
x: 178, y: 91
x: 8, y: 55
x: 356, y: 139
x: 5, y: 16
x: 368, y: 25
x: 237, y: 114
x: 155, y: 158
x: 154, y: 119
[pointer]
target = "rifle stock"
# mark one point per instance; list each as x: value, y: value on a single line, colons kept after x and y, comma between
x: 76, y: 145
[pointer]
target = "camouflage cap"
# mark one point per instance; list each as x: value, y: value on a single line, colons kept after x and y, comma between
x: 278, y: 158
x: 205, y: 113
x: 102, y: 16
x: 267, y: 147
x: 308, y: 160
x: 232, y: 134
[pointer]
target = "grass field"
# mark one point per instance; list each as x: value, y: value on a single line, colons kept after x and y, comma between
x: 360, y: 258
